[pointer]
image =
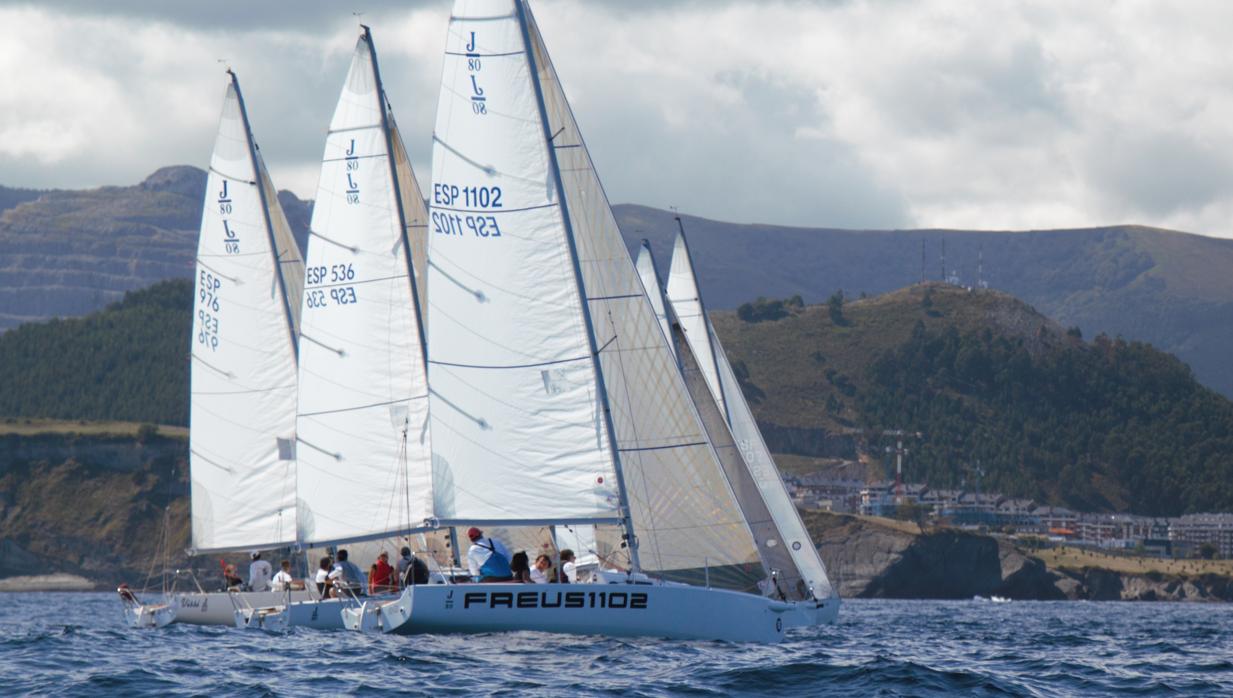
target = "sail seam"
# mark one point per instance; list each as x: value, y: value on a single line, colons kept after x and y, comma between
x: 233, y: 178
x: 489, y: 210
x: 660, y: 448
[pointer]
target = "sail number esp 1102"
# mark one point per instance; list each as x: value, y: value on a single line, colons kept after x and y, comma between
x: 468, y: 199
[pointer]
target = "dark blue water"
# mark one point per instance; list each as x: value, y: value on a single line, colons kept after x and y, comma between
x: 75, y: 644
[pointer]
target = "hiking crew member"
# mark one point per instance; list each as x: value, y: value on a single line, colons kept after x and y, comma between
x: 411, y: 569
x: 346, y: 575
x: 488, y: 559
x: 259, y: 573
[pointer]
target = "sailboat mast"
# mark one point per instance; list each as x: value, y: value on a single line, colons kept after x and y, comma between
x: 265, y: 212
x: 706, y: 324
x: 626, y: 519
x: 402, y: 216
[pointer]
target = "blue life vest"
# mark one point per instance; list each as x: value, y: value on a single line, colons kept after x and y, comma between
x: 496, y: 565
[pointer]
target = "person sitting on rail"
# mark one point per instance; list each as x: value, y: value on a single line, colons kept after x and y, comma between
x: 381, y: 576
x: 345, y: 577
x: 539, y: 571
x: 520, y: 567
x: 323, y: 575
x: 283, y: 581
x: 231, y: 579
x: 411, y: 569
x: 259, y: 573
x: 488, y: 559
x: 567, y: 573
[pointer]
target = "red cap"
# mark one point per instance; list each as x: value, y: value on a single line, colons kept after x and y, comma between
x: 474, y: 533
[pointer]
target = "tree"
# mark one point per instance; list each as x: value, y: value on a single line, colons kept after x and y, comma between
x: 834, y: 307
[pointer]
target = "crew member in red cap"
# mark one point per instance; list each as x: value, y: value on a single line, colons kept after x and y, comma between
x: 488, y: 559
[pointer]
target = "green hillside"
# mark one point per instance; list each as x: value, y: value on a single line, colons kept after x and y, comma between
x: 128, y: 362
x: 1002, y: 397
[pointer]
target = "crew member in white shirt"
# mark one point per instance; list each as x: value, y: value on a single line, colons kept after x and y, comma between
x: 283, y: 580
x: 259, y: 573
x: 569, y: 569
x: 539, y: 571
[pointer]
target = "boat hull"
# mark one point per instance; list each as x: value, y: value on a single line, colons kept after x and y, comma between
x: 667, y: 611
x: 218, y: 608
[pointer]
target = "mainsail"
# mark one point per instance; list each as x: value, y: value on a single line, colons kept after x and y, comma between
x: 364, y: 450
x: 243, y: 376
x: 555, y: 395
x: 793, y: 539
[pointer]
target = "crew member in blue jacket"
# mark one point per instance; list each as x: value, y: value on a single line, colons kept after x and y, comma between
x: 488, y: 559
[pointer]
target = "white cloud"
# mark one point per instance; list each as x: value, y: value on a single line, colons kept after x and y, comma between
x: 1000, y: 114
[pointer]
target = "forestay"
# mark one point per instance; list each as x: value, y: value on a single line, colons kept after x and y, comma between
x: 804, y: 563
x: 517, y: 422
x: 654, y: 290
x: 364, y: 448
x: 243, y: 375
x: 684, y: 510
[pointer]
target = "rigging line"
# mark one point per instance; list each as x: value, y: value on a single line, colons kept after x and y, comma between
x: 242, y: 392
x: 224, y: 175
x: 196, y: 453
x: 221, y: 275
x: 661, y: 448
x: 514, y: 366
x: 335, y: 456
x: 537, y: 207
x: 613, y: 298
x: 207, y: 364
x: 358, y: 282
x: 362, y: 407
x: 365, y: 127
x: 313, y: 233
x: 355, y: 157
x: 483, y: 55
x: 340, y: 352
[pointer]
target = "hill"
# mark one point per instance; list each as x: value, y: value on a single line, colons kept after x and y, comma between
x: 127, y: 362
x: 1003, y: 397
x: 1167, y: 288
x: 67, y: 253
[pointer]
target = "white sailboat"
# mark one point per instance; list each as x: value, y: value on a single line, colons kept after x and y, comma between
x: 556, y: 399
x: 803, y: 574
x: 364, y: 456
x: 249, y: 278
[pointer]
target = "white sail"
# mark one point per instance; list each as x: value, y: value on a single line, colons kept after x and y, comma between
x: 415, y: 215
x: 243, y: 376
x: 364, y: 450
x: 518, y: 429
x: 686, y: 301
x: 793, y: 537
x: 654, y: 290
x: 685, y: 514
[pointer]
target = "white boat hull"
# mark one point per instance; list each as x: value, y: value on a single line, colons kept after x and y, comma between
x: 217, y: 608
x: 668, y: 611
x: 137, y: 615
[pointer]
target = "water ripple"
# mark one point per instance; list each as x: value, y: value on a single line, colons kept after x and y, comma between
x: 75, y: 644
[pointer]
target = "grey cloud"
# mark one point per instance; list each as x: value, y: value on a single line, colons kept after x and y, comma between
x: 1159, y: 174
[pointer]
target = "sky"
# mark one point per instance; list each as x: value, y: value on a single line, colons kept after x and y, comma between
x: 822, y: 113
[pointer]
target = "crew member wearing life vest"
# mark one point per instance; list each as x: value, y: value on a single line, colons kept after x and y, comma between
x: 487, y: 559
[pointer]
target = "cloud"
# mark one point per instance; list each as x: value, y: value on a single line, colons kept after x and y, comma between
x: 848, y: 114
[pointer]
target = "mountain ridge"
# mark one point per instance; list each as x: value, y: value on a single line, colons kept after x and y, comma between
x: 66, y: 253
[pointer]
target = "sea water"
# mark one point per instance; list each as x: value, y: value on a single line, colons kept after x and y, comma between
x: 76, y: 644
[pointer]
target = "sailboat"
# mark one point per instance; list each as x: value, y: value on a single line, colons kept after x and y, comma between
x: 249, y: 280
x: 556, y: 397
x: 364, y: 457
x: 803, y: 571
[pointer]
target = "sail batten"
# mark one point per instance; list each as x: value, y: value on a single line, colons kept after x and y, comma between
x: 243, y: 372
x: 365, y: 469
